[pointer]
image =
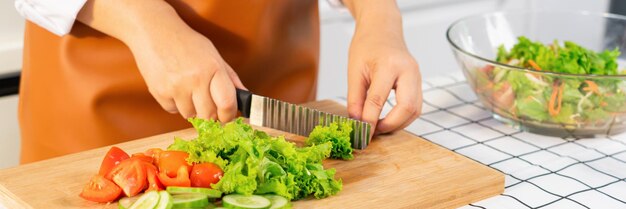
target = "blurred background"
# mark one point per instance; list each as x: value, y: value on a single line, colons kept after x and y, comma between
x: 425, y: 24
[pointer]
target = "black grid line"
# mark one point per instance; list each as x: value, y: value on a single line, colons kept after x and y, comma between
x: 477, y: 206
x: 515, y: 136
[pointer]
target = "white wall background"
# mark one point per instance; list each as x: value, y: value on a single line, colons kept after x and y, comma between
x: 11, y: 38
x: 425, y: 23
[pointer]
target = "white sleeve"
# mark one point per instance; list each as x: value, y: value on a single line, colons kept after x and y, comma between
x: 54, y: 15
x: 337, y: 4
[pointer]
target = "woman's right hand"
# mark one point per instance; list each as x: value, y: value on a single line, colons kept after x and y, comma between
x: 182, y: 69
x: 186, y: 75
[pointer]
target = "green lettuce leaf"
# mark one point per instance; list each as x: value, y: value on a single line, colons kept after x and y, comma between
x: 569, y: 58
x: 336, y: 133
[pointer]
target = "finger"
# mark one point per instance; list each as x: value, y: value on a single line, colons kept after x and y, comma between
x: 403, y: 126
x: 408, y: 105
x: 376, y: 97
x: 167, y: 104
x: 397, y: 117
x: 224, y: 96
x: 235, y: 79
x: 408, y: 122
x: 205, y: 107
x: 184, y: 104
x: 418, y: 113
x: 357, y: 87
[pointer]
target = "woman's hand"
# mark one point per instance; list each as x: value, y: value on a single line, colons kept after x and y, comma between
x: 182, y: 69
x: 186, y: 75
x: 379, y: 61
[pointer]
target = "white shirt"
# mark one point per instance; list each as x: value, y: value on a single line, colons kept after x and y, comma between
x: 58, y: 16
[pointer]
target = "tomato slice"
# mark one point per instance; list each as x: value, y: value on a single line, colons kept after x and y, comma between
x: 171, y: 161
x: 155, y: 153
x: 113, y: 157
x: 130, y: 176
x: 153, y: 180
x: 143, y: 157
x: 205, y: 174
x: 181, y: 179
x: 100, y: 189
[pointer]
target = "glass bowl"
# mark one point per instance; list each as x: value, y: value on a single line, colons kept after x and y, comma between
x: 557, y: 104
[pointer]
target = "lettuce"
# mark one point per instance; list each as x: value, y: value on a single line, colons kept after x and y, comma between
x: 569, y: 58
x: 336, y: 133
x: 256, y: 163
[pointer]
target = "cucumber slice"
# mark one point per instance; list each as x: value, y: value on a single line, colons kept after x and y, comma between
x: 210, y: 206
x: 165, y: 201
x: 211, y: 193
x: 190, y: 201
x: 237, y: 201
x: 146, y: 201
x: 126, y: 202
x: 278, y: 202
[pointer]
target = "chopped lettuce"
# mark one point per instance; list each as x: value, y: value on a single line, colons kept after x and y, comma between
x: 336, y: 133
x: 569, y: 58
x: 256, y: 163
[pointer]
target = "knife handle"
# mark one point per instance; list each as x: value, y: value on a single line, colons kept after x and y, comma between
x: 244, y: 100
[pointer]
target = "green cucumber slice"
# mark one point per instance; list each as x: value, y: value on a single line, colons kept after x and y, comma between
x: 278, y: 202
x: 211, y: 206
x: 237, y: 201
x: 211, y: 193
x: 190, y: 201
x: 146, y: 201
x: 126, y: 202
x: 165, y: 201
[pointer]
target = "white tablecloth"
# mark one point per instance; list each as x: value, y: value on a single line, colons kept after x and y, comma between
x: 541, y: 171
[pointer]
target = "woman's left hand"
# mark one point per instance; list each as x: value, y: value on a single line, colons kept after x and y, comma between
x: 378, y: 63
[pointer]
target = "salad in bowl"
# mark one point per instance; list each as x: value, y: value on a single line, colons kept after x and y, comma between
x: 574, y: 87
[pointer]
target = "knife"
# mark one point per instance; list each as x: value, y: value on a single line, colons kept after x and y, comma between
x: 295, y: 119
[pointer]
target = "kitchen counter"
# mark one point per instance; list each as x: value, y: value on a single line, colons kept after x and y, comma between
x: 541, y: 171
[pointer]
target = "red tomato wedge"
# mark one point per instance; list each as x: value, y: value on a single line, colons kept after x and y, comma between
x: 143, y: 157
x: 153, y: 180
x: 113, y: 157
x: 181, y: 179
x: 130, y: 176
x: 155, y: 153
x: 100, y: 189
x: 171, y: 161
x: 205, y: 174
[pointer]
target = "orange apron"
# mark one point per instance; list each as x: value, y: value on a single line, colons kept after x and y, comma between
x: 83, y: 90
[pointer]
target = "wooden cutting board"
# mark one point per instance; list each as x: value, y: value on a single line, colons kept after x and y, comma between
x: 399, y: 170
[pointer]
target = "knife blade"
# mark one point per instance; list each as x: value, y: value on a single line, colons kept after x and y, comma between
x: 295, y: 119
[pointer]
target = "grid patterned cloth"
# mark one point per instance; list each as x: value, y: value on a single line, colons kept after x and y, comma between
x: 541, y: 171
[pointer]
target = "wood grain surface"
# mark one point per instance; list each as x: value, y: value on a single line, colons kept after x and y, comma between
x: 398, y: 170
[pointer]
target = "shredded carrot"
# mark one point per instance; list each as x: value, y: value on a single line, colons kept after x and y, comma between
x: 557, y: 94
x: 534, y: 64
x: 592, y: 87
x: 604, y: 104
